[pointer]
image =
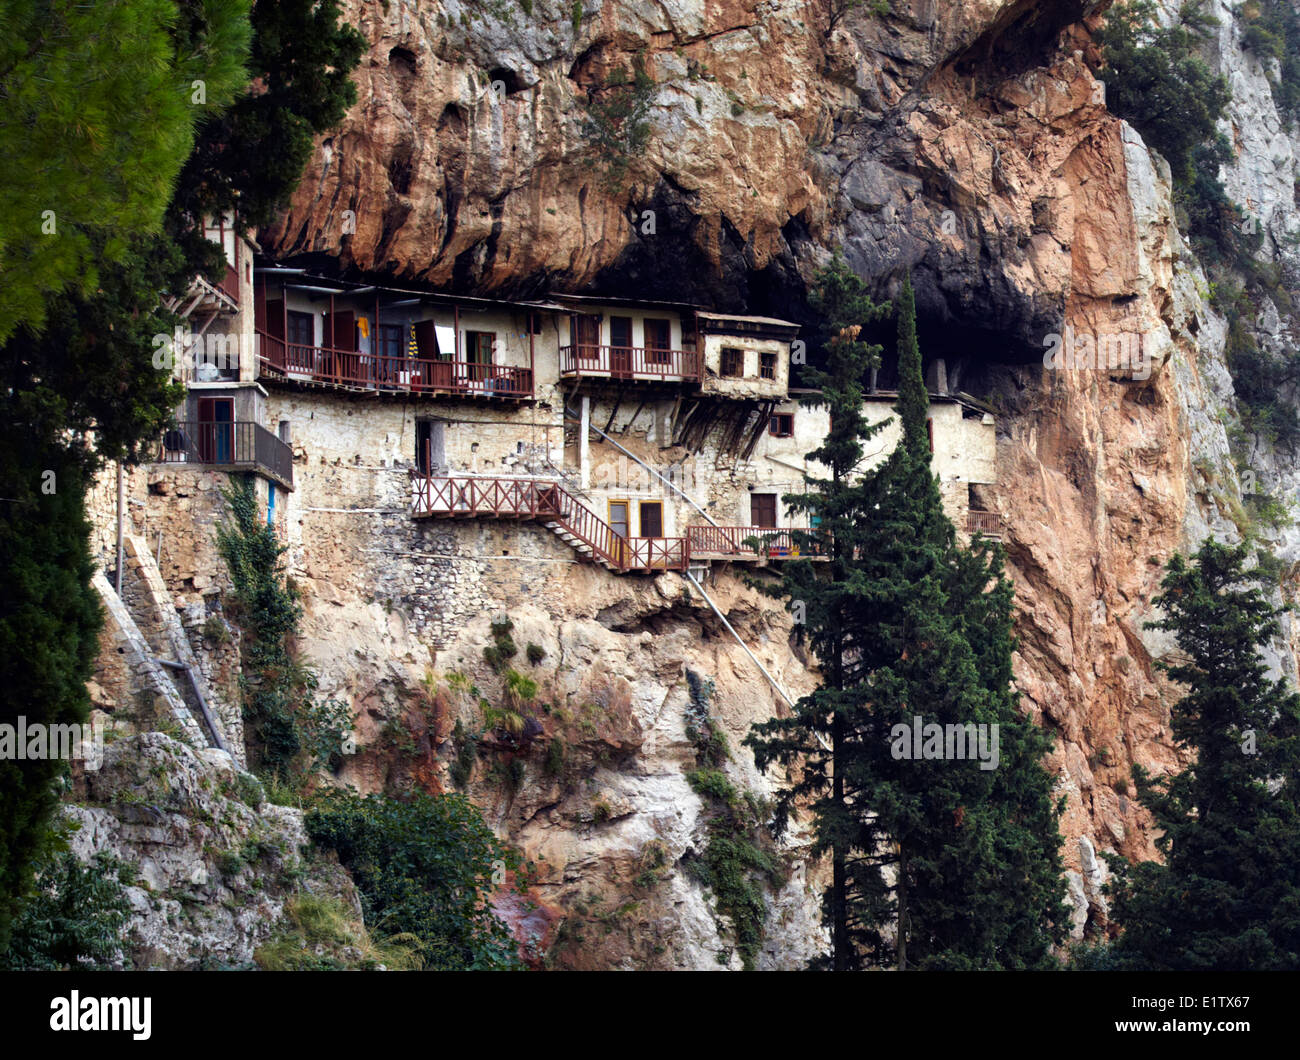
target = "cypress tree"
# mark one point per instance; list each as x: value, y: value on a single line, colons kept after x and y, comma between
x: 1227, y: 896
x: 814, y: 743
x: 962, y: 863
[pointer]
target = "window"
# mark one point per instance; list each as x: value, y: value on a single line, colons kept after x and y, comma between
x: 652, y: 519
x: 302, y: 329
x: 618, y: 514
x: 929, y: 433
x: 479, y: 346
x: 270, y: 504
x: 390, y: 340
x: 733, y: 363
x: 658, y: 340
x: 283, y: 431
x: 767, y: 365
x: 762, y: 509
x: 781, y: 425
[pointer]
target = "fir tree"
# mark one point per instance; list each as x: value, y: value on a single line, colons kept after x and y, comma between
x: 1228, y: 894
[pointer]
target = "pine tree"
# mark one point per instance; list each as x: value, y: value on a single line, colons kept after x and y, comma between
x: 101, y: 108
x: 1228, y: 894
x: 99, y: 116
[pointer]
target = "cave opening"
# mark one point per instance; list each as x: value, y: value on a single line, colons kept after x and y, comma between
x: 955, y: 356
x: 508, y: 78
x: 403, y: 61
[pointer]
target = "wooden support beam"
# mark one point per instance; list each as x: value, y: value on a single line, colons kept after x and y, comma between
x: 618, y: 402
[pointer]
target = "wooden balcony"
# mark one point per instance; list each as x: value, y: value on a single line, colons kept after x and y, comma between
x: 357, y: 371
x: 237, y: 445
x: 987, y: 523
x: 749, y: 542
x: 634, y: 363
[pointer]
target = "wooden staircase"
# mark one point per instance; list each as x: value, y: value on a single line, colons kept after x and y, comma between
x: 547, y: 502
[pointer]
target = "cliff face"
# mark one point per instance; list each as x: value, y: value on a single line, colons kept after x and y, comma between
x: 967, y: 142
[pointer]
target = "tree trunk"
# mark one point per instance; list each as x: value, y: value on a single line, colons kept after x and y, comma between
x: 902, y: 909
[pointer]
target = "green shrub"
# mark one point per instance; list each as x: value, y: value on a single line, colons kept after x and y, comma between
x: 1271, y: 30
x: 1157, y: 82
x: 737, y: 862
x: 249, y: 790
x: 617, y: 126
x: 424, y: 868
x: 75, y: 917
x: 502, y: 649
x: 713, y: 784
x: 230, y: 863
x: 556, y: 757
x: 466, y: 744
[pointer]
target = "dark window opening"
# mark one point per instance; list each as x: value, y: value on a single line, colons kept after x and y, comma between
x: 216, y: 438
x: 479, y: 346
x: 767, y: 365
x: 302, y: 329
x: 390, y: 340
x: 652, y: 519
x: 620, y: 332
x: 430, y: 446
x: 781, y: 425
x: 733, y: 363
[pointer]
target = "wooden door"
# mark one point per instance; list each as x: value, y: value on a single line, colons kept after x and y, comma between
x: 273, y: 345
x: 762, y: 509
x: 216, y: 426
x: 659, y: 341
x: 620, y: 346
x: 343, y: 331
x: 586, y: 330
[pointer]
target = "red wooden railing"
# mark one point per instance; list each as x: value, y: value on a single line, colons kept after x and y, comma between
x: 540, y: 499
x: 230, y: 282
x: 731, y: 540
x: 629, y: 362
x: 352, y: 368
x: 987, y: 523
